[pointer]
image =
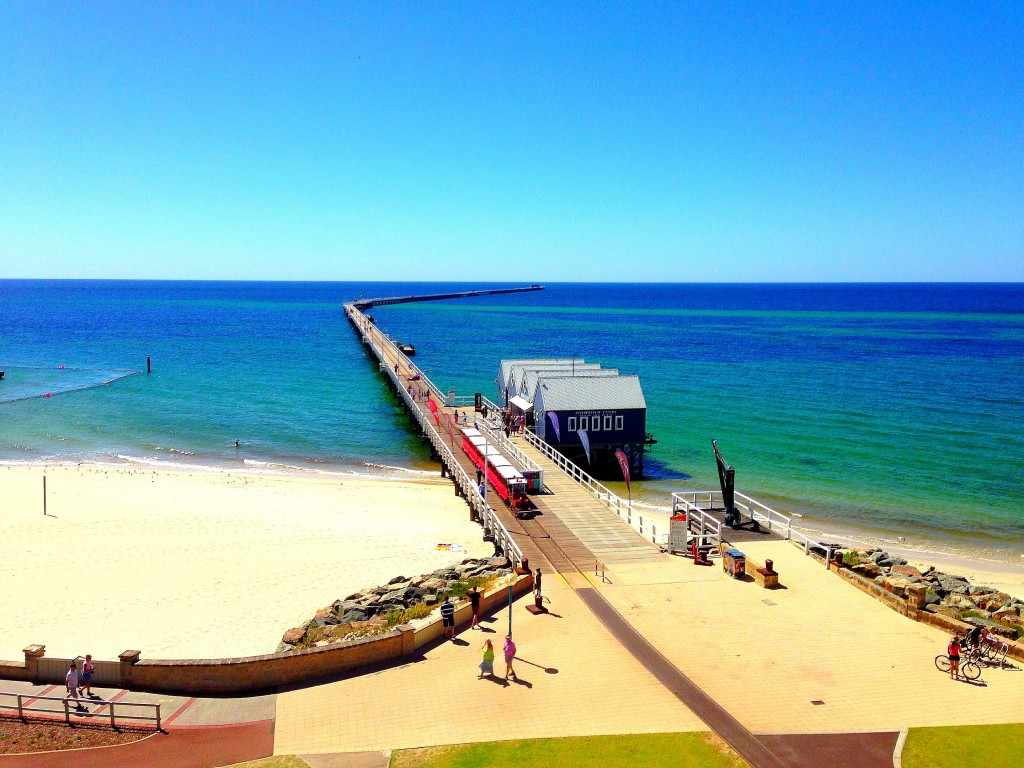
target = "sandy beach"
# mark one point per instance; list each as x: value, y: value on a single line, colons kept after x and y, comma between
x: 185, y: 564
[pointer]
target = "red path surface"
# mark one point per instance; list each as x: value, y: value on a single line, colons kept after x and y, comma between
x: 201, y: 747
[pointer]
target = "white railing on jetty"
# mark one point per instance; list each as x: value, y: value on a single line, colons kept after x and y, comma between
x: 511, y: 450
x: 697, y: 506
x: 698, y: 503
x: 488, y: 518
x: 699, y: 520
x: 648, y: 527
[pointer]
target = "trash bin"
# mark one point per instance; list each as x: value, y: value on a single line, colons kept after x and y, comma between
x: 735, y: 563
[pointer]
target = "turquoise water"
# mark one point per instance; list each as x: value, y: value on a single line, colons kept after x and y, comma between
x: 890, y: 408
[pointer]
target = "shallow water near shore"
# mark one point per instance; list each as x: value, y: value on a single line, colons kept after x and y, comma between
x: 894, y: 410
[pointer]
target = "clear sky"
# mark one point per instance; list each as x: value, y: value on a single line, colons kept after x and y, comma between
x: 516, y: 141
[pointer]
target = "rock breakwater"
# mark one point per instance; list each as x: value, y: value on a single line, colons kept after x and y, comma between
x: 376, y: 609
x: 944, y: 593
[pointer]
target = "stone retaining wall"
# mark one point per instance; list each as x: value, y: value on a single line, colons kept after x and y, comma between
x: 901, y: 606
x: 202, y: 677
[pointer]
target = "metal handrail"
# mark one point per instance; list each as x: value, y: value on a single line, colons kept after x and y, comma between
x: 21, y: 707
x: 513, y: 450
x: 644, y: 524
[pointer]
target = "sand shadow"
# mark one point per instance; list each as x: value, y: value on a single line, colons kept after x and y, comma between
x: 979, y: 683
x: 492, y: 678
x: 524, y: 683
x: 549, y: 670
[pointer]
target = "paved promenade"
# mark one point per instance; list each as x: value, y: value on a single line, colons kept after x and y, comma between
x: 574, y: 680
x: 768, y: 655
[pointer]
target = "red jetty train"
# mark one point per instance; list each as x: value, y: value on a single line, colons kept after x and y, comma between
x: 507, y: 481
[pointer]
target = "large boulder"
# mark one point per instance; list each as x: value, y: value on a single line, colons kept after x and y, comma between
x: 1007, y: 615
x: 907, y: 571
x: 294, y: 636
x: 354, y: 615
x: 888, y: 561
x: 960, y: 602
x: 943, y: 610
x: 341, y: 607
x: 990, y: 603
x: 897, y: 585
x: 398, y: 580
x: 867, y: 569
x: 954, y: 584
x: 448, y: 574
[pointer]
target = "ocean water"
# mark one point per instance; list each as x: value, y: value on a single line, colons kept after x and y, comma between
x: 890, y: 408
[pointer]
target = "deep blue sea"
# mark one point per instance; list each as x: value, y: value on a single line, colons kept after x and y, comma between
x: 893, y: 408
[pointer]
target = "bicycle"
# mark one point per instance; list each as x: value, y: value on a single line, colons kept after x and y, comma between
x: 968, y: 668
x: 990, y: 653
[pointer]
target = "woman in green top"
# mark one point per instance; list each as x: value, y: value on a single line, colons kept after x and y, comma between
x: 487, y: 665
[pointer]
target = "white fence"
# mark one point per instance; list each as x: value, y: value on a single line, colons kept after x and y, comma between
x: 511, y: 450
x: 647, y: 526
x: 25, y: 704
x: 493, y: 527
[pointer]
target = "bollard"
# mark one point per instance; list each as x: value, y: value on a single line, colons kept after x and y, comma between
x: 149, y: 365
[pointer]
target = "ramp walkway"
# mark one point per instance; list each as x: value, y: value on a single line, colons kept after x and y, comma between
x: 605, y: 534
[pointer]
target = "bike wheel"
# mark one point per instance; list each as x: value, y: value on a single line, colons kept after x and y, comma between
x: 971, y: 670
x: 942, y: 663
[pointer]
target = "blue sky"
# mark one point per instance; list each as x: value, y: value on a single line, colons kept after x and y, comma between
x: 536, y: 142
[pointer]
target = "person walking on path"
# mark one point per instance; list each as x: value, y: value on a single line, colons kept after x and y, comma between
x: 87, y: 670
x: 953, y: 651
x: 474, y: 602
x: 536, y: 583
x: 71, y: 683
x: 510, y: 656
x: 487, y: 663
x: 448, y: 617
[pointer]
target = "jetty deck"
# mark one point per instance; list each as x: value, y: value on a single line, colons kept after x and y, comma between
x: 571, y: 532
x: 549, y: 542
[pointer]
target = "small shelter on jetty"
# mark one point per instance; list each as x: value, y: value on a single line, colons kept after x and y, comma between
x: 581, y: 409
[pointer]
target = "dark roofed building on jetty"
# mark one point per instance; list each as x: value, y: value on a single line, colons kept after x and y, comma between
x: 581, y: 406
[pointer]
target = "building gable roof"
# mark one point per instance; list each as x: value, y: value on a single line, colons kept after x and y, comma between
x: 582, y: 393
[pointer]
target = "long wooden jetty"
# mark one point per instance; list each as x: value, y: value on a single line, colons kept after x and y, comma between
x: 581, y: 521
x: 364, y: 304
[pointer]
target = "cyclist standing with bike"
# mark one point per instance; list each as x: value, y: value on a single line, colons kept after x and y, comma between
x: 953, y: 651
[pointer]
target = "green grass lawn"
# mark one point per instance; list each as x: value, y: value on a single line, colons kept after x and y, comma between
x: 976, y: 746
x: 668, y: 750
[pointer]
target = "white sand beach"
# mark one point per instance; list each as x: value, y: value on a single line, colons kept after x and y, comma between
x: 204, y: 564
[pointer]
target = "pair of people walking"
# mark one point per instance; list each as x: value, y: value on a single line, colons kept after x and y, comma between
x: 76, y: 683
x: 487, y: 663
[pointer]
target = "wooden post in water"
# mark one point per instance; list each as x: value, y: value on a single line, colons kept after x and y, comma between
x: 149, y: 365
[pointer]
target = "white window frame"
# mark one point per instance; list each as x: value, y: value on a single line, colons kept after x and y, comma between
x: 572, y: 423
x: 608, y: 423
x: 618, y: 423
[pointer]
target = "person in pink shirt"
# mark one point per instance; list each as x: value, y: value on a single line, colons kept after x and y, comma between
x: 87, y: 670
x: 510, y: 656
